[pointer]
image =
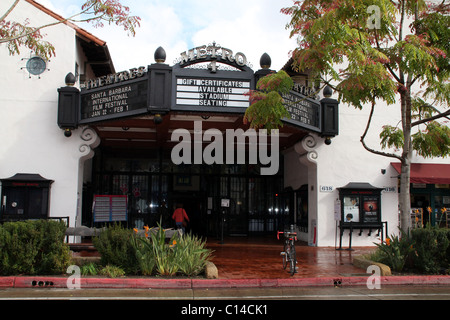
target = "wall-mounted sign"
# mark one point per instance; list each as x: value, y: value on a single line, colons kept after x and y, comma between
x: 390, y: 189
x: 212, y: 92
x: 225, y: 203
x: 114, y: 78
x: 326, y: 189
x: 213, y: 53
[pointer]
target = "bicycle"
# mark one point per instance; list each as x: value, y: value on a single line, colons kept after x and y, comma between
x: 289, y: 254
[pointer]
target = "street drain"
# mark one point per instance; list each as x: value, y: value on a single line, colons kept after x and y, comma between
x: 337, y: 283
x: 42, y: 284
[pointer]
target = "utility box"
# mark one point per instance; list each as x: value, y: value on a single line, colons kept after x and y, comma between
x: 25, y: 196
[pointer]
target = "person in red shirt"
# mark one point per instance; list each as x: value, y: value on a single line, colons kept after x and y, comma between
x: 180, y: 215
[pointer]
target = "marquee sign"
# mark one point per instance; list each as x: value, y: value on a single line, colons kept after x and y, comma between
x: 120, y: 101
x: 114, y: 96
x: 212, y: 88
x: 303, y: 110
x: 212, y: 93
x: 206, y: 79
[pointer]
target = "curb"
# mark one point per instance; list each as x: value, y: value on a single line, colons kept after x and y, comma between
x: 150, y: 283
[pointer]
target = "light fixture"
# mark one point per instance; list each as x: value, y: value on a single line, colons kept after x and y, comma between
x: 67, y: 133
x: 157, y: 118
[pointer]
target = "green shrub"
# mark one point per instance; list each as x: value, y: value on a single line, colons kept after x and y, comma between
x: 89, y: 269
x: 193, y: 255
x: 395, y: 252
x: 186, y: 255
x: 426, y: 251
x: 33, y: 247
x: 115, y: 247
x: 144, y: 255
x: 432, y: 250
x: 164, y: 255
x: 112, y: 271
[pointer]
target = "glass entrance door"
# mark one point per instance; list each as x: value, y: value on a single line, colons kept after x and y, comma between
x: 257, y: 204
x: 237, y: 212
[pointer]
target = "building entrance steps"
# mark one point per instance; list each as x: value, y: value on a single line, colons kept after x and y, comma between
x: 259, y: 258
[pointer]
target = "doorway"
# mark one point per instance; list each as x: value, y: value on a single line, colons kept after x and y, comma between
x: 258, y: 204
x: 193, y: 204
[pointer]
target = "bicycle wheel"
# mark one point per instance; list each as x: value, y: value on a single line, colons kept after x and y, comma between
x: 292, y: 259
x: 285, y: 256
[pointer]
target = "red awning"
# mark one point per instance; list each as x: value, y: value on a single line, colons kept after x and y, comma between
x: 429, y: 173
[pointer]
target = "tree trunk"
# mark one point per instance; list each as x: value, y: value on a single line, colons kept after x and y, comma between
x: 405, y: 175
x: 405, y: 196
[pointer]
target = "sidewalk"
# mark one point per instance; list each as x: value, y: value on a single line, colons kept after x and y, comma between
x: 249, y: 263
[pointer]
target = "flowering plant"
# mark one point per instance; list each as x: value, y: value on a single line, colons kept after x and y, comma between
x: 395, y: 251
x: 185, y: 254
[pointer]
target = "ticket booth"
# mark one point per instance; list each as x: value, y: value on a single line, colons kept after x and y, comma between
x: 360, y: 210
x: 25, y: 196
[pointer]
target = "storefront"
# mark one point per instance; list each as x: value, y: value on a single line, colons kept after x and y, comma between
x: 128, y: 146
x: 175, y: 135
x: 430, y: 194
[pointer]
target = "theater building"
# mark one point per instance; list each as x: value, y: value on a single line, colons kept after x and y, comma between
x: 84, y: 141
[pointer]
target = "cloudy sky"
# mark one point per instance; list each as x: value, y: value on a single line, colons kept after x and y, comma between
x: 248, y: 26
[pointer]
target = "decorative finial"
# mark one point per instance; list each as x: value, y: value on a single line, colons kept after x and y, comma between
x: 265, y: 61
x: 327, y: 91
x: 160, y: 55
x: 70, y: 79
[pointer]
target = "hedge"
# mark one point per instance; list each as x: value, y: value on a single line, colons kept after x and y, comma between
x: 432, y: 250
x: 33, y: 247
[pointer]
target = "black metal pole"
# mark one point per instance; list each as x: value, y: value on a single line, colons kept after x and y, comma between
x: 350, y: 237
x: 222, y: 226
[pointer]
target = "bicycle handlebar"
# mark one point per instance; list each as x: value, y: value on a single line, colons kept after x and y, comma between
x: 286, y: 234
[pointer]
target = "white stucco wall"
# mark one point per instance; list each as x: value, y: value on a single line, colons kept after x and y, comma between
x: 31, y: 140
x: 342, y: 162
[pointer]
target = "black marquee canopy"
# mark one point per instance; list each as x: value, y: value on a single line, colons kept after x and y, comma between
x: 207, y: 80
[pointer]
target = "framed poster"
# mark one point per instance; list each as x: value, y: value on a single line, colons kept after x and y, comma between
x: 108, y: 208
x: 351, y: 209
x: 361, y: 205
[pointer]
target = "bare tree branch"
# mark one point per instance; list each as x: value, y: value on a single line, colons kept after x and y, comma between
x: 9, y: 10
x: 385, y: 154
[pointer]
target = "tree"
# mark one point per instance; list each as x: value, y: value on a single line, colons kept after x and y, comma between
x: 391, y: 51
x: 15, y: 34
x: 266, y: 102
